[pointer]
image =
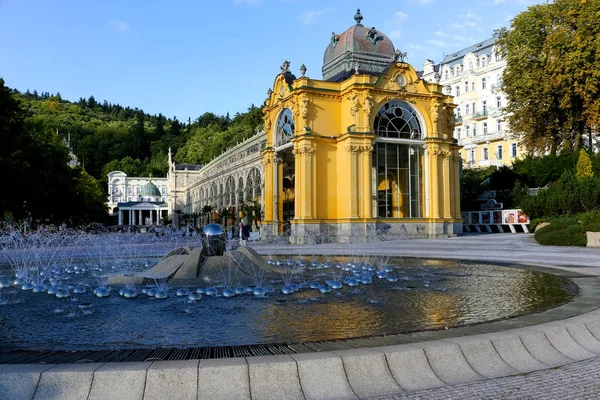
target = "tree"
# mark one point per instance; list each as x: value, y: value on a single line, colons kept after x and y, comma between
x: 584, y: 166
x: 12, y: 142
x: 552, y: 78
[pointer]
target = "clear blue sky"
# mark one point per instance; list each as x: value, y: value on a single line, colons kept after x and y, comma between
x: 185, y: 57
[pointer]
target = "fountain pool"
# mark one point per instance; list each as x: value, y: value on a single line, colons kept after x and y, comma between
x: 421, y: 295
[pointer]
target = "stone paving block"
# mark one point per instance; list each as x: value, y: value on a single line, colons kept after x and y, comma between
x: 540, y: 348
x: 66, y: 381
x: 482, y: 356
x: 116, y: 381
x: 594, y: 328
x: 410, y: 367
x: 584, y: 337
x: 20, y: 381
x: 512, y: 351
x: 172, y: 380
x: 448, y: 362
x: 322, y: 376
x: 274, y: 378
x: 562, y: 341
x: 224, y: 379
x: 368, y: 373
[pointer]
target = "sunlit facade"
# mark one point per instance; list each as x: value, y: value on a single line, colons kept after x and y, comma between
x: 366, y: 151
x: 473, y: 76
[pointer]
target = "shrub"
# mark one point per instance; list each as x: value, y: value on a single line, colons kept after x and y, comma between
x: 562, y: 234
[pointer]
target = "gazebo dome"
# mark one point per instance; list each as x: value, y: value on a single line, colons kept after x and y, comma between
x: 150, y: 190
x: 357, y: 50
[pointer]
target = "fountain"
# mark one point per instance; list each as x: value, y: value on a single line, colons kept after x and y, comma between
x: 200, y: 294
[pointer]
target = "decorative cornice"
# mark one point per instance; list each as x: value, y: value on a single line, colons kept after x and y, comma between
x: 301, y: 151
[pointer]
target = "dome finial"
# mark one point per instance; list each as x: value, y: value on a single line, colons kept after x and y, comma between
x: 358, y: 17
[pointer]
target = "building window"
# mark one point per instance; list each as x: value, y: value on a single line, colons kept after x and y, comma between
x: 471, y: 155
x: 468, y: 130
x: 484, y: 107
x: 466, y: 87
x: 397, y: 181
x: 483, y: 61
x: 499, y: 125
x: 466, y: 109
x: 498, y: 58
x: 473, y: 86
x: 478, y: 63
x: 457, y: 112
x: 485, y: 128
x: 513, y: 150
x: 137, y: 190
x: 485, y: 153
x: 474, y: 129
x: 471, y: 66
x: 285, y: 127
x: 483, y: 83
x: 458, y: 133
x: 499, y: 152
x: 457, y: 91
x: 446, y: 74
x: 498, y: 102
x: 398, y: 120
x: 473, y: 108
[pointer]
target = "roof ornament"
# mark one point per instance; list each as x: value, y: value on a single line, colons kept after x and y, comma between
x: 400, y: 56
x: 303, y: 69
x: 358, y: 17
x: 285, y: 67
x: 334, y: 39
x: 373, y: 35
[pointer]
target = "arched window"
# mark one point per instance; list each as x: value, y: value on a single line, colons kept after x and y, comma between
x: 397, y: 119
x: 397, y: 161
x: 285, y: 128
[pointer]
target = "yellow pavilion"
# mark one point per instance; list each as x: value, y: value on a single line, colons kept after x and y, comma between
x: 366, y: 151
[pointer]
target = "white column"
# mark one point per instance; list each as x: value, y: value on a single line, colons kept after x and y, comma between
x: 120, y: 218
x: 140, y: 221
x: 151, y: 217
x: 133, y: 217
x: 130, y: 217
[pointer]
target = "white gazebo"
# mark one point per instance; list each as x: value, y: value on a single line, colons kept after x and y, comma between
x: 148, y: 210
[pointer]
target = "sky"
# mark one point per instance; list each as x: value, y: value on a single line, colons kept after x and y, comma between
x: 186, y: 57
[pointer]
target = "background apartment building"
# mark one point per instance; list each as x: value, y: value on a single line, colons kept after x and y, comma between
x: 474, y: 76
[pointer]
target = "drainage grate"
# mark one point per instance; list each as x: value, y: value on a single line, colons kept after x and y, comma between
x: 172, y: 354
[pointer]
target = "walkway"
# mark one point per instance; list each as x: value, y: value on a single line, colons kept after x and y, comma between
x: 578, y: 381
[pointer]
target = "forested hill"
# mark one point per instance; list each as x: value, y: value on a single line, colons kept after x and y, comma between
x: 107, y: 137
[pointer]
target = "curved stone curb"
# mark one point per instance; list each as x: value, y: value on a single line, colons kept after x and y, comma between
x: 344, y: 374
x: 368, y: 373
x: 225, y: 379
x: 119, y: 381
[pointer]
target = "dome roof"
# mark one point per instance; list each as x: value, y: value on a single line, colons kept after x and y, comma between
x: 150, y: 190
x: 358, y: 49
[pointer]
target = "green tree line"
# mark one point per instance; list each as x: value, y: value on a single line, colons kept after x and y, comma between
x: 107, y: 137
x: 34, y: 129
